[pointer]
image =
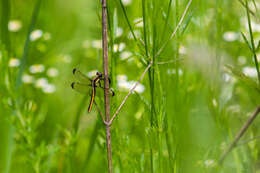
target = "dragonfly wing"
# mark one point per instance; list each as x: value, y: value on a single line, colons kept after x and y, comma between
x: 82, y: 88
x: 80, y: 76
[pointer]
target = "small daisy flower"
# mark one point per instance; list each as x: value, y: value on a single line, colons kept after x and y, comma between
x: 214, y: 102
x: 226, y: 77
x: 14, y: 25
x: 250, y: 71
x: 182, y: 50
x: 121, y: 77
x: 41, y: 83
x: 241, y: 60
x: 126, y: 2
x: 119, y: 32
x: 230, y: 36
x: 36, y: 34
x: 14, y: 62
x: 52, y: 72
x: 209, y: 163
x: 121, y: 47
x: 27, y: 78
x: 125, y: 55
x: 49, y: 88
x: 115, y: 47
x: 37, y: 68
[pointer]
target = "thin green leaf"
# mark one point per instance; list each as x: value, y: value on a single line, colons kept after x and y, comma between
x: 246, y: 41
x: 27, y: 44
x: 252, y: 42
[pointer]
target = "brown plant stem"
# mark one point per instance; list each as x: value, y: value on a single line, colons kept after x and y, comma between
x: 239, y: 135
x: 106, y: 83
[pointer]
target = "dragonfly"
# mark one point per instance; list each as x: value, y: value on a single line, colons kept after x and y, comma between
x: 84, y: 84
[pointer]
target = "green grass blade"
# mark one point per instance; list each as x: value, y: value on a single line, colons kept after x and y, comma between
x: 4, y: 24
x: 166, y: 20
x: 246, y: 41
x: 145, y: 28
x: 252, y: 42
x: 27, y: 44
x: 128, y: 22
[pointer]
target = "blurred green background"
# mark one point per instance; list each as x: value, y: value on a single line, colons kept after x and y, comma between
x: 200, y: 91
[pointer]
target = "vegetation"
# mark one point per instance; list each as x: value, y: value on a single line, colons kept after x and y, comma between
x: 185, y: 75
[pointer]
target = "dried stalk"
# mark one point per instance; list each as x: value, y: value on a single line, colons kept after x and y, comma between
x: 106, y: 84
x: 239, y: 135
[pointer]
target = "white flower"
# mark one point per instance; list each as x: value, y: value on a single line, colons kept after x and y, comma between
x: 230, y: 36
x: 139, y: 88
x: 214, y: 102
x: 49, y: 88
x: 209, y: 163
x: 241, y: 60
x: 119, y: 47
x: 27, y: 78
x: 250, y: 71
x: 226, y: 77
x: 41, y: 83
x: 115, y: 48
x: 255, y: 26
x: 119, y: 32
x: 47, y: 36
x: 125, y: 55
x: 97, y: 44
x: 182, y: 50
x: 126, y: 2
x: 14, y: 25
x: 37, y: 68
x: 123, y: 84
x: 14, y: 62
x: 35, y: 35
x: 52, y: 72
x: 121, y: 77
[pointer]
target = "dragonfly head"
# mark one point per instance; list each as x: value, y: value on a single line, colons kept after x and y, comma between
x: 99, y: 74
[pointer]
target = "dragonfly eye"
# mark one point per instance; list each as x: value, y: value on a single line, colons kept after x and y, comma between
x: 99, y: 74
